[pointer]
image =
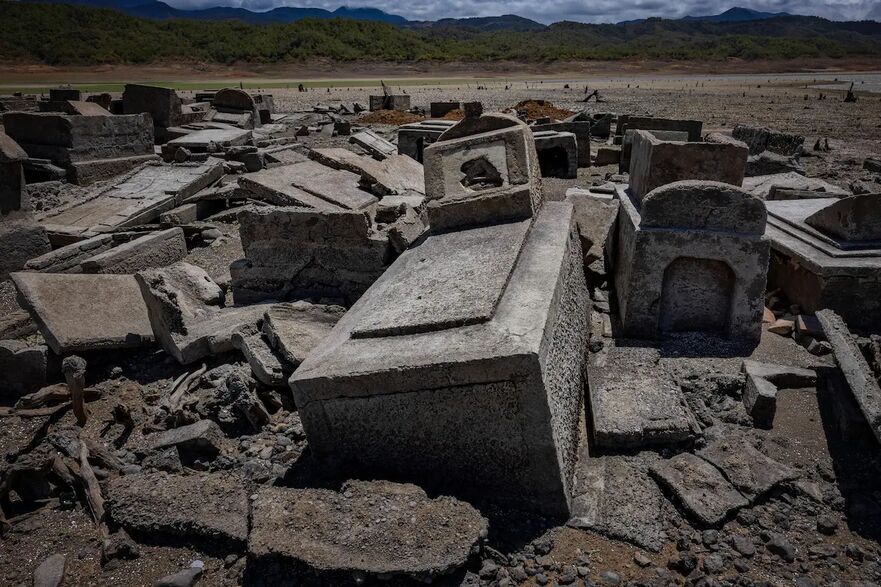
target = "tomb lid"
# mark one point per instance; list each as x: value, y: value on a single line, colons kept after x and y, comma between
x: 477, y: 125
x: 450, y: 280
x: 10, y: 151
x: 704, y: 205
x: 233, y: 98
x: 853, y: 219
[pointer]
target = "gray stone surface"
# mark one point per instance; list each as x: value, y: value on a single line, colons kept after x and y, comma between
x: 475, y: 176
x: 202, y: 437
x: 633, y: 402
x: 680, y: 270
x: 389, y: 102
x: 11, y: 175
x: 50, y: 572
x: 155, y: 249
x: 860, y: 378
x: 67, y: 259
x: 596, y: 215
x: 700, y: 487
x: 21, y: 240
x: 626, y: 147
x: 750, y: 471
x: 209, y: 140
x: 581, y: 130
x: 377, y: 528
x: 463, y: 289
x: 782, y: 376
x: 138, y: 199
x: 188, y: 327
x: 265, y: 363
x: 85, y: 312
x: 294, y: 329
x: 852, y: 219
x: 194, y: 507
x: 761, y: 139
x: 511, y: 386
x: 655, y: 162
x: 615, y: 496
x: 767, y: 163
x: 163, y: 105
x: 309, y: 184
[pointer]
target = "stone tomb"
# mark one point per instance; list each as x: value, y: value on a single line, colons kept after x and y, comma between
x: 389, y: 102
x: 483, y: 170
x: 655, y: 162
x: 163, y: 105
x: 580, y: 129
x: 662, y: 135
x: 90, y: 148
x: 627, y: 122
x: 691, y: 257
x: 475, y: 386
x: 414, y: 137
x: 557, y: 153
x: 826, y: 253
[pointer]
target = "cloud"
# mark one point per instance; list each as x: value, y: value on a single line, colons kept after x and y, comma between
x: 548, y: 11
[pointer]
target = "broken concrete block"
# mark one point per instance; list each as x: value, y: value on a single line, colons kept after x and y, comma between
x: 633, y: 403
x: 21, y: 239
x: 627, y: 144
x: 89, y: 147
x: 415, y: 137
x: 481, y: 171
x: 615, y: 496
x: 447, y: 358
x: 311, y: 185
x: 67, y: 259
x: 860, y: 377
x: 694, y: 258
x: 596, y: 215
x: 11, y: 175
x: 208, y: 140
x: 751, y: 472
x: 763, y: 186
x: 266, y: 364
x: 760, y: 400
x: 655, y: 163
x: 201, y: 438
x: 767, y: 163
x: 760, y: 139
x: 85, y: 312
x: 51, y: 571
x: 782, y: 376
x: 23, y: 368
x: 608, y: 155
x: 389, y: 102
x: 365, y: 529
x: 700, y: 487
x: 378, y: 147
x: 294, y: 329
x: 195, y: 507
x: 396, y: 174
x: 156, y: 249
x: 185, y: 325
x: 296, y: 253
x: 581, y: 130
x: 163, y: 105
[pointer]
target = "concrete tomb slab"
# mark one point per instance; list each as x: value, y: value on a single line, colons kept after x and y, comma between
x: 817, y: 266
x: 294, y: 329
x: 209, y: 140
x: 389, y: 102
x: 483, y: 170
x: 764, y: 186
x: 378, y: 147
x: 661, y: 135
x: 155, y: 249
x: 396, y: 174
x: 694, y: 258
x: 596, y: 215
x: 655, y: 162
x: 384, y: 400
x: 337, y: 186
x: 581, y: 130
x: 138, y: 199
x: 85, y: 312
x: 627, y: 122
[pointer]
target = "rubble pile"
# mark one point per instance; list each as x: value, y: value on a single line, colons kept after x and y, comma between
x: 243, y: 346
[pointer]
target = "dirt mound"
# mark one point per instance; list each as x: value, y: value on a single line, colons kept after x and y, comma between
x: 457, y: 114
x: 390, y: 117
x: 541, y: 108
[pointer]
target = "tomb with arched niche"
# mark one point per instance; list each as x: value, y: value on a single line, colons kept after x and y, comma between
x: 692, y: 257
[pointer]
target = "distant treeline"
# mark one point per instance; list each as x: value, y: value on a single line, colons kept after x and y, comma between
x: 61, y: 34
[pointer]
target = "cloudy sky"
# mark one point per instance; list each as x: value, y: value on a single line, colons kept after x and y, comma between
x: 548, y: 11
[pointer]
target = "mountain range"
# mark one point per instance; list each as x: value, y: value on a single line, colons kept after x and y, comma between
x: 157, y: 10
